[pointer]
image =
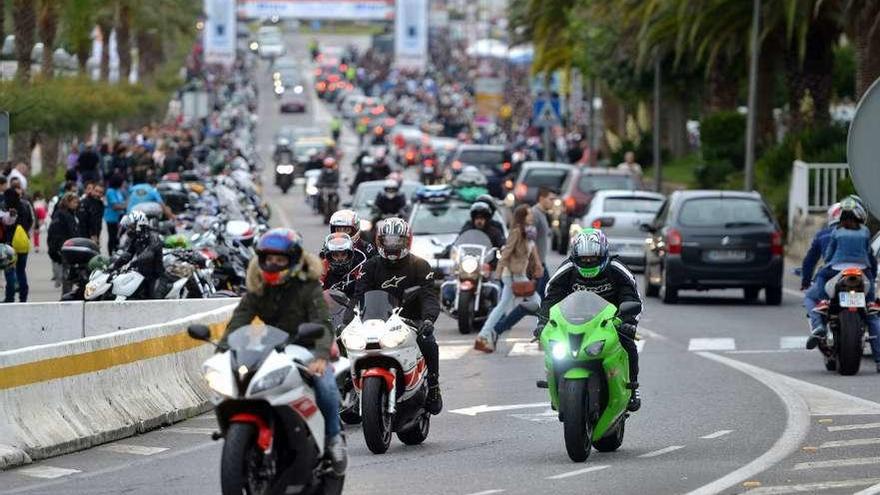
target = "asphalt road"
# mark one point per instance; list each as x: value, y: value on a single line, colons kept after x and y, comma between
x: 731, y: 403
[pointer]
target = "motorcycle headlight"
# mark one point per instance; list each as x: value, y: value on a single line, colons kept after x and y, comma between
x: 595, y: 348
x: 298, y: 89
x: 254, y: 46
x: 559, y: 350
x: 470, y: 264
x: 354, y: 341
x: 271, y: 380
x: 279, y: 89
x: 89, y: 290
x: 219, y: 383
x: 284, y: 169
x: 392, y: 339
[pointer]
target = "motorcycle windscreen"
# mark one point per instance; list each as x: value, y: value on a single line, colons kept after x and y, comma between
x: 581, y: 306
x: 378, y: 305
x: 251, y: 344
x: 474, y: 236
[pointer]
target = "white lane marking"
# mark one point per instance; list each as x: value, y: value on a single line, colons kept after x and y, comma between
x: 792, y: 292
x: 122, y: 448
x: 850, y: 443
x: 717, y: 434
x: 548, y: 416
x: 835, y: 463
x: 471, y: 341
x: 793, y: 342
x: 797, y: 425
x: 525, y: 349
x: 871, y: 490
x: 666, y: 450
x: 651, y: 334
x: 765, y: 351
x: 577, y: 472
x: 716, y: 344
x: 450, y: 352
x: 814, y: 487
x: 862, y: 426
x: 191, y: 430
x: 640, y: 346
x: 474, y: 410
x: 46, y: 472
x: 487, y: 492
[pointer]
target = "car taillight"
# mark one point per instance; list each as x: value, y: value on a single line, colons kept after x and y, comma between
x: 410, y: 156
x: 776, y: 244
x: 673, y: 242
x: 521, y: 191
x: 570, y: 204
x: 603, y: 222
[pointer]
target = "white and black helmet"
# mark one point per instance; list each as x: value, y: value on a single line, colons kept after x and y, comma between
x: 339, y: 252
x: 347, y: 222
x: 393, y: 239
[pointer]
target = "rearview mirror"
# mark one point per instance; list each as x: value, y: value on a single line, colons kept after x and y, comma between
x: 411, y: 294
x: 340, y: 298
x: 199, y: 332
x: 309, y: 331
x: 647, y: 227
x: 629, y: 309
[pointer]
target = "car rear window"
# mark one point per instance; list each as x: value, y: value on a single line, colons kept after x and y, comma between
x: 631, y: 205
x: 723, y: 212
x: 481, y: 157
x: 590, y: 182
x: 546, y: 177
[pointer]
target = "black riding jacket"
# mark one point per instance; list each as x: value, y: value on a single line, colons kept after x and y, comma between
x: 396, y: 277
x: 615, y: 284
x: 493, y: 230
x: 390, y: 206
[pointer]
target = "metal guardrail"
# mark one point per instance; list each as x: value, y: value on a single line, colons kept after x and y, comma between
x: 813, y: 187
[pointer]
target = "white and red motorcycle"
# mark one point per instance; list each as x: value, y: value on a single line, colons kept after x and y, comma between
x: 267, y: 412
x: 388, y: 371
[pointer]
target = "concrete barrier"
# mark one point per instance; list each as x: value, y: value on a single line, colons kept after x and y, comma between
x: 28, y: 324
x: 31, y: 324
x: 58, y: 398
x: 107, y: 316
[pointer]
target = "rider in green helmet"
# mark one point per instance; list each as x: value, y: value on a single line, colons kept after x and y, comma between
x: 590, y: 267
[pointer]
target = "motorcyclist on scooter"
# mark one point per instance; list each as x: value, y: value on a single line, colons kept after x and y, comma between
x: 284, y: 291
x: 342, y: 264
x: 349, y: 222
x: 390, y: 201
x: 394, y: 271
x: 144, y: 247
x: 329, y: 174
x: 366, y: 172
x: 590, y: 267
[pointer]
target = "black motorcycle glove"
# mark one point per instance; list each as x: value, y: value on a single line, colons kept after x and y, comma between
x: 426, y: 329
x: 627, y: 330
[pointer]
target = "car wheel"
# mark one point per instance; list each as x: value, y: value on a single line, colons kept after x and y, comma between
x: 651, y: 290
x: 669, y: 294
x: 773, y: 296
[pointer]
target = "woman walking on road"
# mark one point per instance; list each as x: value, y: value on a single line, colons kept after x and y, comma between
x: 518, y: 268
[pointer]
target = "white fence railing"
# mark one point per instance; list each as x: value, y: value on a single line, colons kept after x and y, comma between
x: 813, y: 187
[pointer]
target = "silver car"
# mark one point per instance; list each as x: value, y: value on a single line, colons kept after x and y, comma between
x: 620, y: 214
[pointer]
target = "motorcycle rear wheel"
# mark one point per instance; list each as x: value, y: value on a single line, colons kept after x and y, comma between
x: 418, y: 432
x: 849, y: 342
x: 239, y: 446
x: 376, y: 420
x: 577, y: 428
x: 613, y: 440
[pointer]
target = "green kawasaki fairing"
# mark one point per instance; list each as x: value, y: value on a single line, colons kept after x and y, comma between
x: 587, y: 372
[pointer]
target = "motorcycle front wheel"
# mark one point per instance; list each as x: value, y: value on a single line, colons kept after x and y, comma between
x: 237, y: 476
x: 576, y: 425
x: 465, y: 312
x: 849, y: 342
x: 376, y: 420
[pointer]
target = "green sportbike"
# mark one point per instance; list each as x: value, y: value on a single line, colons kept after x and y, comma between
x: 587, y: 371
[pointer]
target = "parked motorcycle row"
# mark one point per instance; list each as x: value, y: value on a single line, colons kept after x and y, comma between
x: 207, y: 223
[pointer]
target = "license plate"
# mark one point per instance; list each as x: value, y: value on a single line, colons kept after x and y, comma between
x: 852, y: 299
x: 727, y: 255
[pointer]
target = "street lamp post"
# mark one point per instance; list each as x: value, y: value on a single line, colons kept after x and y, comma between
x: 751, y: 117
x: 658, y: 175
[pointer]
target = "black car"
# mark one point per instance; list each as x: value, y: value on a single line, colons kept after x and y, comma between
x: 714, y: 240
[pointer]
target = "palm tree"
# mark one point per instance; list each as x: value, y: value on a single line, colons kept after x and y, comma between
x: 863, y: 22
x: 79, y: 22
x: 24, y: 19
x: 105, y: 24
x: 123, y: 39
x: 48, y: 23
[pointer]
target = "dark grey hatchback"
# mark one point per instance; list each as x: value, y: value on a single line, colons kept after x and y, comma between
x: 714, y: 240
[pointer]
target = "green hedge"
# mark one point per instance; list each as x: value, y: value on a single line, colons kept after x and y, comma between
x: 722, y: 144
x: 71, y: 105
